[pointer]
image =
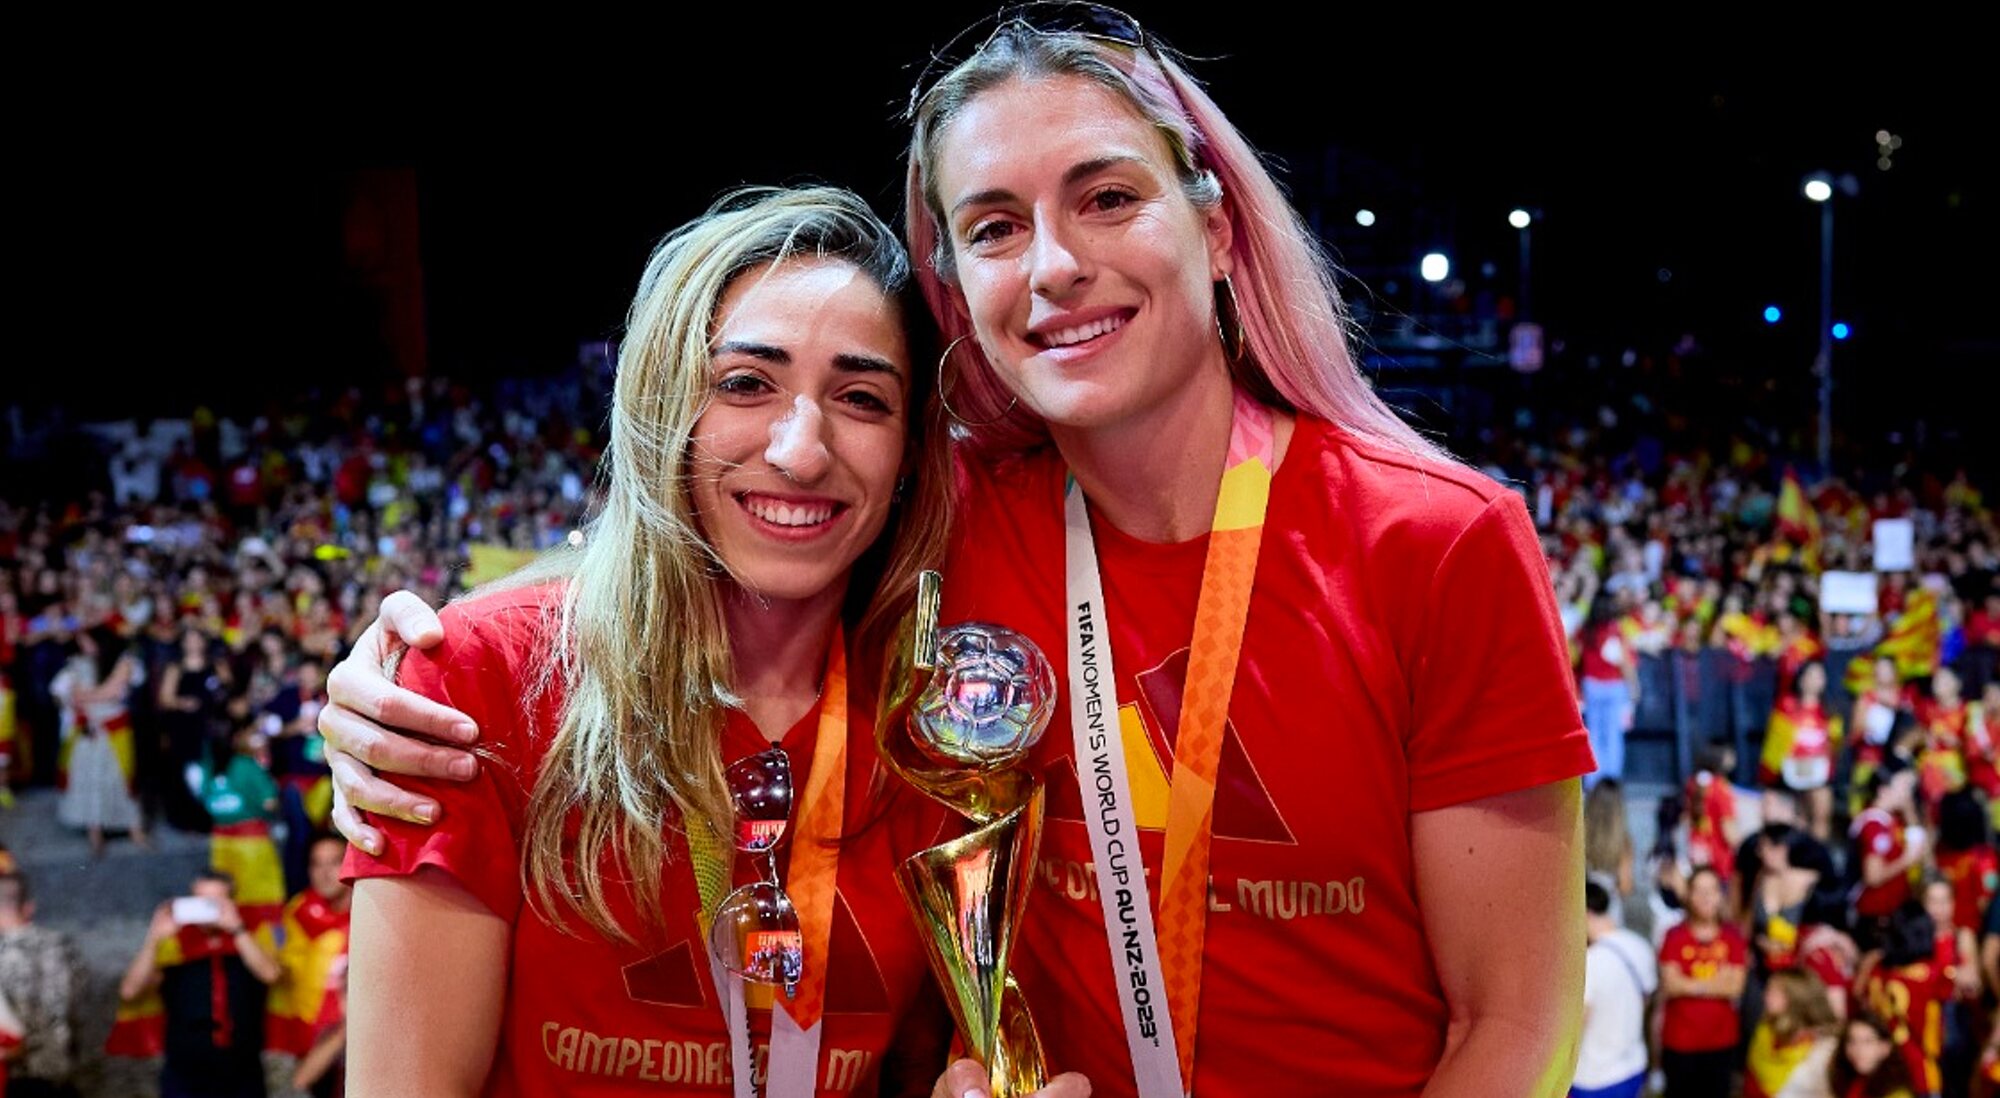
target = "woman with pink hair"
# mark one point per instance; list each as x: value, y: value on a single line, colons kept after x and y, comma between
x: 1315, y: 666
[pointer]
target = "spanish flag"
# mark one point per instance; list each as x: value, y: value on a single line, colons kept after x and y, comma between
x: 1798, y: 522
x: 1913, y: 642
x: 313, y: 943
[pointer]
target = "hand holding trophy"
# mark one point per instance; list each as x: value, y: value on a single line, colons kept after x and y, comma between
x: 965, y: 706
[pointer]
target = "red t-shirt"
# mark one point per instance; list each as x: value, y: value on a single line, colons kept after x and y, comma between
x: 1403, y: 653
x: 1692, y: 1023
x: 1708, y: 843
x: 589, y: 1016
x: 1911, y: 999
x: 1606, y: 653
x: 1974, y: 874
x: 1876, y: 832
x: 1982, y: 628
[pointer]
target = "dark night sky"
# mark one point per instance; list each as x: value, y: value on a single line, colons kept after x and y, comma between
x: 183, y: 214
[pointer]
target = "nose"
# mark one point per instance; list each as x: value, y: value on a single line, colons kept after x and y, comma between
x: 1056, y: 264
x: 798, y: 442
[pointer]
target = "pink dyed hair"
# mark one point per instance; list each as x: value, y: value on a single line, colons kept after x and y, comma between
x: 1295, y: 326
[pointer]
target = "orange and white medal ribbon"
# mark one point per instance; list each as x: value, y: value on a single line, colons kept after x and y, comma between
x: 813, y: 870
x: 1160, y: 959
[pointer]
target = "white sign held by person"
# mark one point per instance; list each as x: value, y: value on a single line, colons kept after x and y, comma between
x: 1847, y: 592
x: 1895, y: 545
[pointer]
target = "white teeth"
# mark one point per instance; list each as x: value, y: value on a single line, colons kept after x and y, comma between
x: 789, y: 514
x: 1070, y: 336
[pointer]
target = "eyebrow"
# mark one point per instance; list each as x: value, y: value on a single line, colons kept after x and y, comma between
x: 846, y: 362
x: 1077, y: 172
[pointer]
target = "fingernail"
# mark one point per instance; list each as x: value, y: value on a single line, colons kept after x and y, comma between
x: 373, y: 845
x: 465, y: 730
x: 428, y: 813
x: 973, y: 1092
x: 464, y: 768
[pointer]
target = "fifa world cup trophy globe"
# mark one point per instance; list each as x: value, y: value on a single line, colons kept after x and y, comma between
x: 966, y: 706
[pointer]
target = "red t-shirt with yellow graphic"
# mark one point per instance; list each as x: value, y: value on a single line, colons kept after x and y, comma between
x: 588, y: 1016
x: 1699, y: 1023
x: 1403, y: 653
x: 1911, y: 999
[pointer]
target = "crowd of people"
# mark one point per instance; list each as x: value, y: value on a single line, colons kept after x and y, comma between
x: 164, y: 642
x: 1815, y: 916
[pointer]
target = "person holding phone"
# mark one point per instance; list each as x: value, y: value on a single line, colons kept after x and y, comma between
x: 210, y: 974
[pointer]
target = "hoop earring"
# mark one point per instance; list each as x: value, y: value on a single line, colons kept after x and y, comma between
x: 1225, y: 302
x: 942, y: 399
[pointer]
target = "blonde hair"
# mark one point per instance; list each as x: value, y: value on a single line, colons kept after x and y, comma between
x: 1607, y: 838
x: 1808, y: 1009
x: 638, y: 640
x: 1296, y: 329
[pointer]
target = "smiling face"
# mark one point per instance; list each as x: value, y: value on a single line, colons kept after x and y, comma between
x: 796, y: 456
x: 1087, y: 273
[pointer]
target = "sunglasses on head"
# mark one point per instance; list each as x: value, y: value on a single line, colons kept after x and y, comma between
x: 1105, y: 24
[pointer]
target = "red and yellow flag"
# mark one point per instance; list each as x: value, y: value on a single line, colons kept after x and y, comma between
x: 1798, y: 522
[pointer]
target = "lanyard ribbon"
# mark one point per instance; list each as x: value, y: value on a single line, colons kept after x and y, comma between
x: 1150, y: 964
x: 813, y: 870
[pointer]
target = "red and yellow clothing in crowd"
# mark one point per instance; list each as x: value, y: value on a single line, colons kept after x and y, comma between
x: 312, y: 951
x: 1701, y: 1023
x: 1800, y: 744
x: 1911, y: 1000
x: 1941, y: 766
x: 1711, y: 803
x: 140, y: 1030
x: 1881, y: 834
x: 1974, y: 874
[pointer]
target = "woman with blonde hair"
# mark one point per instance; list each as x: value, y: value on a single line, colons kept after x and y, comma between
x: 1315, y: 666
x: 1607, y: 842
x: 1792, y: 1049
x: 774, y: 483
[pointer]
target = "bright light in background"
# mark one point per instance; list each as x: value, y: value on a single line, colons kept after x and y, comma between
x: 1519, y: 219
x: 1436, y: 268
x: 576, y: 538
x: 1772, y: 314
x: 1819, y: 190
x: 1842, y: 331
x: 1364, y: 218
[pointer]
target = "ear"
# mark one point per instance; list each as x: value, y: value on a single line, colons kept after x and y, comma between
x: 1218, y: 225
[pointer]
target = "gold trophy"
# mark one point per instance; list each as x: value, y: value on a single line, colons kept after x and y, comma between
x: 963, y: 708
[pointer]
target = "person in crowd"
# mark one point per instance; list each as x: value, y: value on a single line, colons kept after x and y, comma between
x: 94, y: 688
x: 1711, y: 804
x: 192, y: 701
x: 1703, y: 965
x: 1869, y: 1064
x: 211, y: 974
x: 40, y: 977
x: 1942, y: 720
x: 1620, y: 975
x: 1793, y: 1046
x: 1776, y: 807
x: 298, y: 758
x: 322, y: 1071
x: 312, y: 954
x: 1610, y: 684
x: 1889, y: 847
x: 1902, y: 985
x: 1608, y: 854
x: 1957, y: 961
x: 1801, y: 744
x: 1966, y: 858
x: 241, y: 797
x: 1880, y: 713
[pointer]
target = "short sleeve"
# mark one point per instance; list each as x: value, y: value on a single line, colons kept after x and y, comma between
x: 1494, y: 706
x: 476, y: 838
